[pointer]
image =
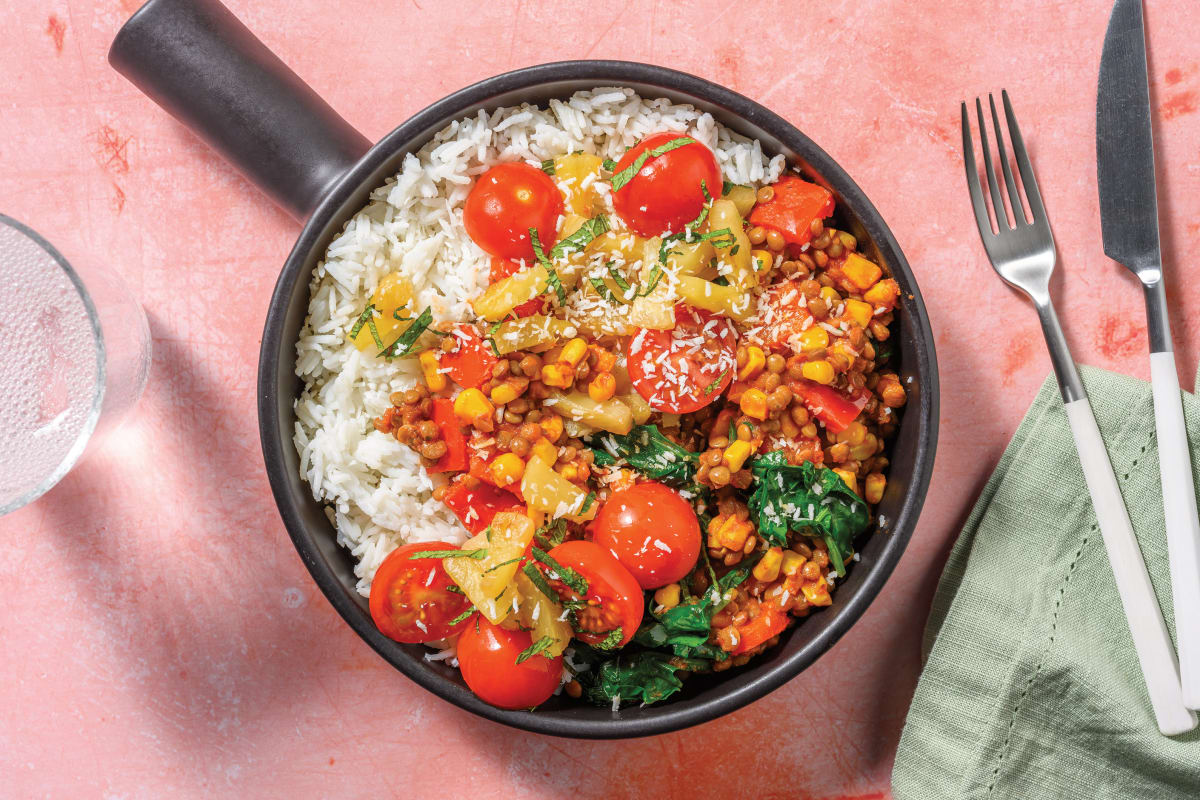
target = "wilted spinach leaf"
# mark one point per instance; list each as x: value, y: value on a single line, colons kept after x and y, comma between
x: 646, y: 676
x: 649, y: 452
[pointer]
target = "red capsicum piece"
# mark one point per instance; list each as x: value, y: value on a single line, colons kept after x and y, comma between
x: 771, y: 622
x: 793, y: 208
x: 830, y: 406
x: 470, y: 363
x: 485, y: 500
x: 455, y: 459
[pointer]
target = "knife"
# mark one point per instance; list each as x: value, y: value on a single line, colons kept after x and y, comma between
x: 1129, y: 219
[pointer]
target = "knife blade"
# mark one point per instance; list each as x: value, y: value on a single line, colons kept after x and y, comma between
x: 1125, y: 144
x: 1129, y: 219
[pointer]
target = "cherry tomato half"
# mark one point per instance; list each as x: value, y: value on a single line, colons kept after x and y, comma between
x: 665, y: 194
x: 487, y: 656
x: 614, y: 597
x: 506, y: 267
x: 699, y: 363
x: 652, y: 531
x: 470, y: 363
x: 410, y: 598
x: 505, y: 203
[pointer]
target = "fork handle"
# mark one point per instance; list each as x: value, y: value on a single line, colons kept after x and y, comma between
x: 1150, y: 638
x: 1179, y: 509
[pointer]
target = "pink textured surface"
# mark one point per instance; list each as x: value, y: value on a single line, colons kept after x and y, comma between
x: 160, y: 633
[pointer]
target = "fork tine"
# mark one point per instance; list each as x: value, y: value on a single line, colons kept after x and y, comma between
x: 1036, y: 209
x: 997, y: 200
x: 1018, y: 212
x: 977, y: 201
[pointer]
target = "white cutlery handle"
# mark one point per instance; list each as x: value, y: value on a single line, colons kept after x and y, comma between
x: 1183, y: 529
x: 1150, y: 637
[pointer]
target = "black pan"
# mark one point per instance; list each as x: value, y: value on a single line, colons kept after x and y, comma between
x: 204, y: 67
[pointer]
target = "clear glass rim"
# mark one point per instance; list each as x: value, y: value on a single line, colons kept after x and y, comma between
x: 89, y: 426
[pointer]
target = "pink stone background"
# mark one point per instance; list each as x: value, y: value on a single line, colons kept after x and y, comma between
x: 160, y: 635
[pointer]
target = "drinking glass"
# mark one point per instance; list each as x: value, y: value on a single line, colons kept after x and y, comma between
x: 74, y: 358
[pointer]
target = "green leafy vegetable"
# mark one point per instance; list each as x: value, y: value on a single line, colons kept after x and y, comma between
x: 612, y: 640
x: 551, y: 534
x: 799, y: 497
x: 535, y: 648
x: 649, y: 452
x: 685, y: 628
x: 608, y: 164
x: 479, y: 554
x: 626, y: 175
x: 647, y: 676
x: 408, y: 340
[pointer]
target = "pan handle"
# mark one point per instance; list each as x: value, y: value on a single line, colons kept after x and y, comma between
x: 201, y: 64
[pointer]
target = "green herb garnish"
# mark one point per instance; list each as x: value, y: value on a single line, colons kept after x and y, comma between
x: 475, y: 554
x: 602, y: 289
x: 581, y: 237
x: 463, y: 616
x: 538, y: 579
x: 613, y: 639
x: 587, y: 502
x: 570, y: 577
x: 618, y: 278
x: 408, y: 340
x: 367, y: 313
x: 712, y: 387
x: 501, y: 564
x: 551, y: 534
x: 626, y: 175
x: 537, y: 647
x: 548, y: 166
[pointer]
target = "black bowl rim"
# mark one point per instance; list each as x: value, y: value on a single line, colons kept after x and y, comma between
x: 602, y: 73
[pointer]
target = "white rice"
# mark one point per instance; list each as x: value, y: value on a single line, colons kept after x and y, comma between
x: 378, y: 494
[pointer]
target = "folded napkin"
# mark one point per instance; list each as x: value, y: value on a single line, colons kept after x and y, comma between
x: 1031, y: 687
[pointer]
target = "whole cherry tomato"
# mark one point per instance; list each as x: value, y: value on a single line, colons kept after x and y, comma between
x: 652, y: 531
x: 505, y: 202
x: 665, y: 194
x: 487, y: 657
x: 411, y: 600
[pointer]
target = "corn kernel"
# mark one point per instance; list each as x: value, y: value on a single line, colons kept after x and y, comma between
x: 861, y: 272
x: 767, y: 568
x: 470, y: 405
x: 504, y: 393
x: 791, y: 563
x: 602, y: 387
x: 883, y: 293
x: 854, y: 434
x: 507, y: 469
x: 544, y: 450
x: 762, y: 259
x: 817, y: 592
x: 570, y: 472
x: 755, y: 360
x: 561, y: 375
x: 873, y: 487
x: 728, y: 532
x: 848, y: 478
x: 817, y: 371
x: 831, y: 295
x: 859, y: 311
x: 754, y: 403
x: 430, y: 365
x: 573, y: 351
x: 814, y: 339
x: 667, y: 596
x: 552, y: 427
x: 736, y: 454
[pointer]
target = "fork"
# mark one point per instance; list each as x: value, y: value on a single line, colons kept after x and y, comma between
x: 1021, y: 250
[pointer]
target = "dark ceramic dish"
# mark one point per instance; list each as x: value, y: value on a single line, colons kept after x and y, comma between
x: 197, y: 61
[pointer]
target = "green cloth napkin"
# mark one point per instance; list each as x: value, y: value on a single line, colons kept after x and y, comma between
x: 1031, y: 687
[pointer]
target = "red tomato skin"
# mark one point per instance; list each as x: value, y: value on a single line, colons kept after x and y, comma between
x: 665, y: 194
x: 455, y: 459
x: 707, y: 379
x: 771, y: 622
x: 792, y: 209
x: 652, y: 531
x: 470, y: 363
x: 417, y: 572
x: 505, y: 202
x: 503, y: 268
x: 608, y: 581
x: 484, y: 499
x: 487, y: 657
x: 830, y: 406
